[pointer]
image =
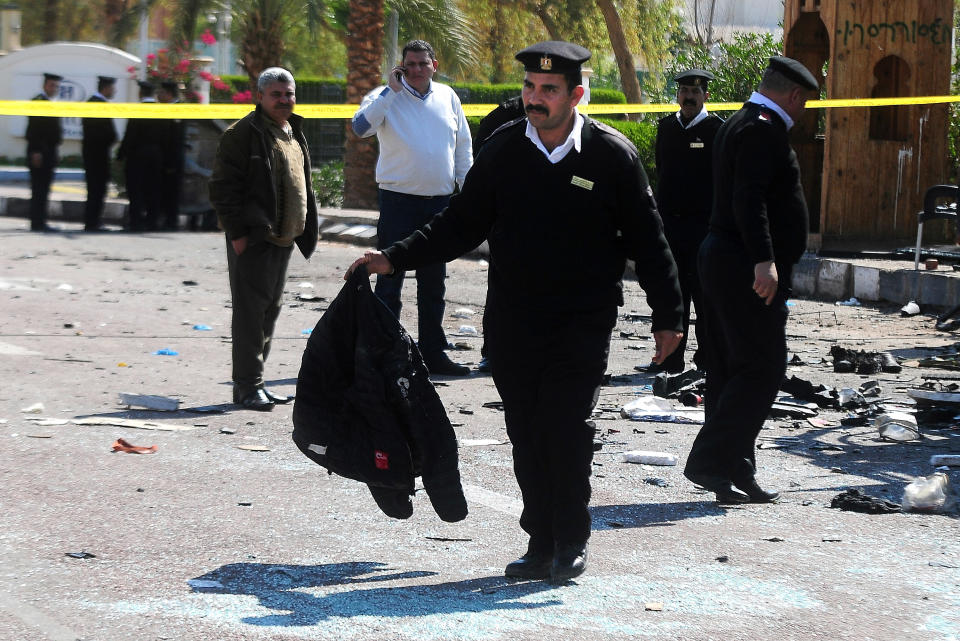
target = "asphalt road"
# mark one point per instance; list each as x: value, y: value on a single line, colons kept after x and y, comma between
x: 210, y: 539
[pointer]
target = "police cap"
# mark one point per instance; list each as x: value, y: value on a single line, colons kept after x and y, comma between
x: 106, y: 80
x: 698, y: 77
x: 794, y: 70
x: 52, y: 76
x: 553, y: 56
x: 171, y: 86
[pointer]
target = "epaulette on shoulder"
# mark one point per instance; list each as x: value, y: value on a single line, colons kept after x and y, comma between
x: 506, y: 125
x: 764, y: 115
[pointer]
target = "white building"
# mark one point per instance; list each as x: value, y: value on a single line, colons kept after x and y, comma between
x: 714, y: 20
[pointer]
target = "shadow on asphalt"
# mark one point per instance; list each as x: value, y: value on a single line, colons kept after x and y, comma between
x: 615, y: 517
x: 285, y: 588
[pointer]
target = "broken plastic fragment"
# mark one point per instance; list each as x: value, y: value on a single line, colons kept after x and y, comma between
x: 166, y: 351
x: 36, y: 408
x: 202, y: 328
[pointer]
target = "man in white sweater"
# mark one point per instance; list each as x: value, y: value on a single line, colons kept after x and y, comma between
x: 425, y: 152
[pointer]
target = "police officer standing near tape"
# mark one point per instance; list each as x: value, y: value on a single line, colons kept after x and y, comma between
x: 563, y: 201
x: 758, y: 231
x: 99, y: 134
x: 684, y: 149
x: 44, y: 135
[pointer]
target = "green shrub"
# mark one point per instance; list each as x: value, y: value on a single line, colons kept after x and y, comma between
x: 328, y: 184
x: 643, y: 134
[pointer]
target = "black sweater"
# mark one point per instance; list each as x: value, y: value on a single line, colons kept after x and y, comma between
x: 559, y: 234
x: 685, y: 167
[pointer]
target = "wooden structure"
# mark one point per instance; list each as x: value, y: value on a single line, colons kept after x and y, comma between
x: 865, y: 169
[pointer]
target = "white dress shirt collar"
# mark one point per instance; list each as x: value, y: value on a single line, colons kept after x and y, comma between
x: 760, y: 99
x: 561, y: 151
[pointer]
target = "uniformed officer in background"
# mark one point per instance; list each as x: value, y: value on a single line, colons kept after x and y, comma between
x: 44, y: 135
x: 563, y: 201
x: 142, y: 151
x: 175, y: 145
x: 684, y: 149
x: 758, y: 231
x: 99, y: 134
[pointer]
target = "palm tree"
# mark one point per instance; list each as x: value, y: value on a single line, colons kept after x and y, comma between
x: 364, y: 56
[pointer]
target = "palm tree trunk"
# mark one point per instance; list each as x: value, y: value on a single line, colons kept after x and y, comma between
x: 51, y: 10
x: 621, y: 51
x: 364, y: 54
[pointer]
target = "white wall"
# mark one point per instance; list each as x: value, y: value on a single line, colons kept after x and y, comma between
x: 738, y: 15
x: 21, y: 78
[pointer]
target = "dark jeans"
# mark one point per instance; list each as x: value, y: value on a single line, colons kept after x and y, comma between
x: 746, y: 361
x: 40, y: 180
x: 549, y: 379
x: 257, y: 277
x: 400, y: 216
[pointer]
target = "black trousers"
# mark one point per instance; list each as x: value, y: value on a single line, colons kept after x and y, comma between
x: 257, y: 278
x: 40, y: 181
x: 746, y: 361
x: 549, y: 375
x: 172, y: 182
x: 96, y: 168
x: 143, y: 173
x: 685, y: 234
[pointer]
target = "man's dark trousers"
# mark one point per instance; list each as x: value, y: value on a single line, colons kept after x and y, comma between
x: 746, y: 361
x: 400, y: 216
x: 96, y: 168
x: 257, y: 278
x: 40, y: 180
x: 684, y: 234
x: 549, y: 373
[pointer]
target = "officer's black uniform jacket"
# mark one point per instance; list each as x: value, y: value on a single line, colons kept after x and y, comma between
x: 98, y: 133
x: 44, y: 134
x: 759, y: 201
x: 684, y: 167
x: 366, y: 409
x: 559, y: 234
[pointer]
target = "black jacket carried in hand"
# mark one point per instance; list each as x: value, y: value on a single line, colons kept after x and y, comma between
x: 366, y: 410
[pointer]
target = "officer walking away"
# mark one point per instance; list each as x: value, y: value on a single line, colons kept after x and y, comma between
x: 44, y: 135
x: 99, y: 134
x: 758, y: 230
x: 684, y: 150
x: 264, y: 201
x: 527, y: 195
x: 141, y: 150
x: 173, y: 159
x: 424, y: 155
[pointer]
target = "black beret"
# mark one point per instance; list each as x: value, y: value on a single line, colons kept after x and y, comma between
x: 143, y: 84
x: 106, y: 80
x: 694, y: 77
x: 170, y: 85
x: 794, y: 70
x: 553, y: 56
x: 52, y: 76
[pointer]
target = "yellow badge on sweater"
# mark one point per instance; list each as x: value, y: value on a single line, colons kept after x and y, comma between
x: 582, y: 182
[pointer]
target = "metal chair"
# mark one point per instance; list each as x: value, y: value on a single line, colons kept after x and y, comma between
x: 934, y: 209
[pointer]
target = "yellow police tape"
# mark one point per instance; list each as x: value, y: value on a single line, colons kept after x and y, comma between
x: 235, y: 112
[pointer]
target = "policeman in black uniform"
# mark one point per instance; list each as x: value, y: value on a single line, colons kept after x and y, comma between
x: 758, y: 231
x: 44, y: 135
x: 175, y: 144
x: 563, y: 201
x: 99, y: 134
x: 684, y: 149
x: 142, y: 151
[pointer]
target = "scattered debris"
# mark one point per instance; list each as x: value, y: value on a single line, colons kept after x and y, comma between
x: 129, y: 422
x: 202, y: 328
x: 773, y: 539
x: 910, y: 309
x: 850, y: 302
x: 166, y: 351
x: 856, y: 500
x: 189, y: 283
x: 121, y: 445
x: 897, y: 426
x: 36, y: 408
x: 204, y: 583
x: 861, y: 362
x: 950, y: 460
x: 254, y: 448
x: 928, y: 494
x: 150, y: 402
x: 39, y: 435
x: 652, y: 480
x: 228, y: 430
x: 653, y: 607
x: 649, y: 458
x: 469, y: 329
x: 660, y: 410
x: 494, y: 405
x: 81, y: 555
x: 723, y: 558
x: 480, y: 442
x: 447, y: 539
x: 463, y: 312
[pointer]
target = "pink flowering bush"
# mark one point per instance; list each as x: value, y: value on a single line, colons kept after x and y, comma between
x: 207, y: 38
x: 181, y: 66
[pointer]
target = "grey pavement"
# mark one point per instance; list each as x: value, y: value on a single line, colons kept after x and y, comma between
x: 228, y: 532
x: 832, y: 279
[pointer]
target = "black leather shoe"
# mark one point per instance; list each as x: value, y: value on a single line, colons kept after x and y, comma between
x: 279, y: 399
x: 441, y: 365
x: 756, y: 493
x: 657, y: 368
x: 532, y: 565
x: 256, y: 400
x: 569, y: 561
x: 484, y: 365
x: 723, y: 488
x: 889, y: 364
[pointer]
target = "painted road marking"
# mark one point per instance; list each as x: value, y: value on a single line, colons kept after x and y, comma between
x: 493, y: 500
x: 34, y: 618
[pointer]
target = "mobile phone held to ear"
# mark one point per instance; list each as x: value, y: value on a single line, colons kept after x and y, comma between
x: 399, y: 74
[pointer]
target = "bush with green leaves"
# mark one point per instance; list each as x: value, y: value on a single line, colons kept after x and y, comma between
x: 328, y: 184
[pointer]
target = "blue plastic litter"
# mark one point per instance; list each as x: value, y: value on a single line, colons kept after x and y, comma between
x: 203, y: 328
x: 306, y: 332
x: 166, y: 351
